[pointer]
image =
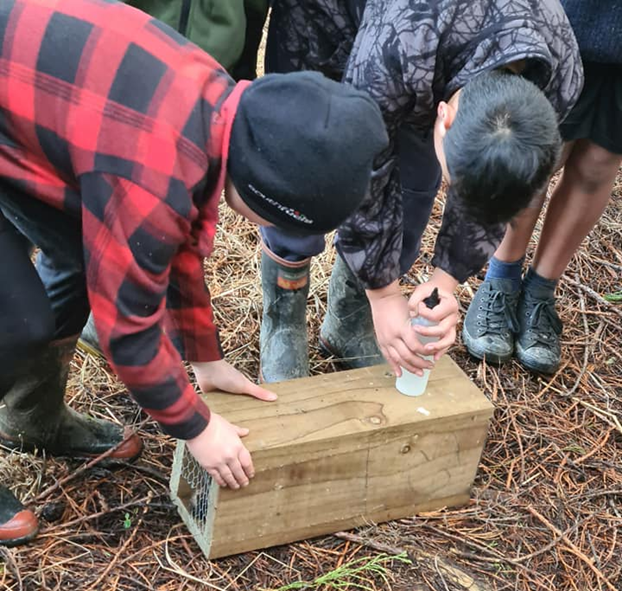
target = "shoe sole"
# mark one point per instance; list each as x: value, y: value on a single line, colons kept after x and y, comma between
x: 329, y: 351
x: 261, y: 378
x: 538, y: 369
x: 19, y: 541
x: 481, y: 354
x: 535, y: 367
x: 31, y: 448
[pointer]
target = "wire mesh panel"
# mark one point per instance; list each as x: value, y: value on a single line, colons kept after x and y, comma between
x: 194, y: 492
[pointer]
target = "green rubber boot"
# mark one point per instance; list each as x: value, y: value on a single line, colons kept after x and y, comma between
x: 284, y: 346
x: 33, y: 414
x: 347, y: 332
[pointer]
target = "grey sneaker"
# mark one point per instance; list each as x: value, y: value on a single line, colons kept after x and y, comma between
x: 538, y: 342
x: 490, y: 323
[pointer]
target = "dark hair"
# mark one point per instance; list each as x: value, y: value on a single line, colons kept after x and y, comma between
x: 503, y: 145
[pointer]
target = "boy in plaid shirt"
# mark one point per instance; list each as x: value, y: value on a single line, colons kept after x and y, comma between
x: 117, y: 137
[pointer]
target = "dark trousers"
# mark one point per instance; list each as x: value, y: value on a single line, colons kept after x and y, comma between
x: 42, y: 303
x: 420, y: 176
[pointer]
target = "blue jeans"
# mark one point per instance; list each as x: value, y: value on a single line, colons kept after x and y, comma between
x: 420, y: 176
x: 47, y: 301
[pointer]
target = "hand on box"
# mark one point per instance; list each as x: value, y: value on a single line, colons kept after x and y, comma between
x: 220, y: 451
x: 218, y: 448
x: 220, y: 375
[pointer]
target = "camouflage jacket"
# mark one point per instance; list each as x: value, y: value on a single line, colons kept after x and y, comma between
x: 409, y: 55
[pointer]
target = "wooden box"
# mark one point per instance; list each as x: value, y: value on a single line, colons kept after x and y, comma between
x: 334, y: 452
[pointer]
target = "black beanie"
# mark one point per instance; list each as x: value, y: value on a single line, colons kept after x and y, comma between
x: 302, y: 150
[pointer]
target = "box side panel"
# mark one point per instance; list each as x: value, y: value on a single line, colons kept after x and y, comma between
x: 294, y: 492
x: 321, y: 488
x: 414, y: 468
x: 222, y: 547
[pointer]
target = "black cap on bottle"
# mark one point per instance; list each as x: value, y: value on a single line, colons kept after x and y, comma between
x: 432, y: 300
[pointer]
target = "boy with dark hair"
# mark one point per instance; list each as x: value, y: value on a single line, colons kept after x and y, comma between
x: 498, y: 153
x: 472, y: 87
x: 512, y: 314
x: 117, y: 137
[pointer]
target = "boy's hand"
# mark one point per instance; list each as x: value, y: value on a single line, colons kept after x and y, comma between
x: 219, y: 450
x: 220, y: 375
x: 397, y: 340
x: 445, y: 313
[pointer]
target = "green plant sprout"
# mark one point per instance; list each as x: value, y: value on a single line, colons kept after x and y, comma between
x: 356, y: 574
x: 614, y: 297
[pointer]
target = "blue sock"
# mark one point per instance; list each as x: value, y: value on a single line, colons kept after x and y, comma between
x: 534, y: 282
x: 499, y: 270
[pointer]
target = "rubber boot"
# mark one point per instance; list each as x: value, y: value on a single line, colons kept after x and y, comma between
x: 33, y: 414
x: 284, y: 346
x: 17, y: 524
x: 347, y: 332
x: 89, y: 341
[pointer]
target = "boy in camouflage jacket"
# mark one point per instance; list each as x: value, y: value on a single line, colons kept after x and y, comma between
x: 443, y: 74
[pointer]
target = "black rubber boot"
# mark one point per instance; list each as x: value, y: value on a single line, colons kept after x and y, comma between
x: 284, y: 344
x: 347, y: 332
x: 33, y: 414
x: 17, y: 524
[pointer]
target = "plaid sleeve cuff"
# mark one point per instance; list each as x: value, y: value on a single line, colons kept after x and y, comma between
x: 196, y: 345
x: 189, y: 428
x: 170, y: 399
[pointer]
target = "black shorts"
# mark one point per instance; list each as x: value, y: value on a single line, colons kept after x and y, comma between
x: 597, y: 116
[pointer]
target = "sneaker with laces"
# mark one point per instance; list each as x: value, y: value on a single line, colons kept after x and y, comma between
x: 490, y: 323
x: 538, y: 345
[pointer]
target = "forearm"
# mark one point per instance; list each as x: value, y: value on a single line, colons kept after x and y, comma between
x: 151, y: 369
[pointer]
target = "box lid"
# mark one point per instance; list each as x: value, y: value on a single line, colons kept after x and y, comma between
x: 339, y: 404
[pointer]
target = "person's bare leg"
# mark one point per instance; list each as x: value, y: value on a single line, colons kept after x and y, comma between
x: 519, y: 231
x: 491, y: 323
x: 577, y: 203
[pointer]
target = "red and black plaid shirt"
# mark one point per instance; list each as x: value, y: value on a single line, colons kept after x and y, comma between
x: 109, y: 115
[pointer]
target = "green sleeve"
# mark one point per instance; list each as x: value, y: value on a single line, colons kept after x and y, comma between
x: 217, y: 26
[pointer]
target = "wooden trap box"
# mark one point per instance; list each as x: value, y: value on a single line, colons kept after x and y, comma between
x: 337, y: 451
